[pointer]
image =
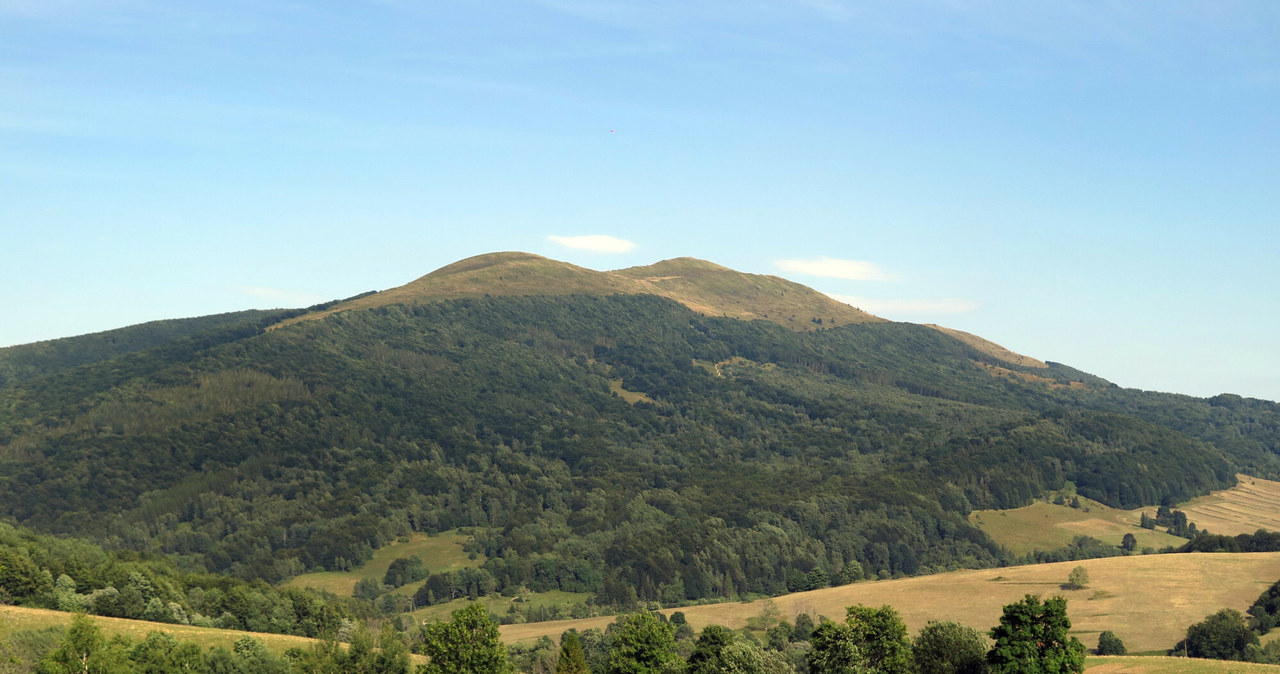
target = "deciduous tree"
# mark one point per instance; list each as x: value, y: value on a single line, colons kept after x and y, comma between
x: 1110, y: 644
x: 1221, y: 636
x: 467, y: 643
x: 1032, y: 639
x: 949, y: 648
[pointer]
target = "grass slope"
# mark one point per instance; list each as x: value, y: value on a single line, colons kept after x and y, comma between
x: 499, y: 605
x: 1044, y: 526
x: 1147, y: 600
x: 1254, y: 503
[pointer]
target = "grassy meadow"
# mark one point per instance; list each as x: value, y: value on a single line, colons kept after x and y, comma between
x: 441, y: 552
x: 1045, y: 526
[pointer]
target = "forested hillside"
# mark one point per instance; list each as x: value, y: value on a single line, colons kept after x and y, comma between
x: 618, y: 444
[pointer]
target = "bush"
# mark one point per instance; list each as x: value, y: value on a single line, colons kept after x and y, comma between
x: 1110, y: 644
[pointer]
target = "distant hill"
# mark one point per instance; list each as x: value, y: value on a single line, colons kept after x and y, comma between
x: 621, y: 433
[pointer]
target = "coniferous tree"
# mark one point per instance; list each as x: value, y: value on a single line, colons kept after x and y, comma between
x: 572, y: 659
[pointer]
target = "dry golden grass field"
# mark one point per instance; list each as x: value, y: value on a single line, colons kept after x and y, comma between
x: 1147, y: 600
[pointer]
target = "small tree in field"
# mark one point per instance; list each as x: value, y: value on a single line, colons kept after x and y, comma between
x: 1077, y: 580
x: 1129, y: 543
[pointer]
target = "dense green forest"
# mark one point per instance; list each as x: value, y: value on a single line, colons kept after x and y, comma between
x: 619, y: 445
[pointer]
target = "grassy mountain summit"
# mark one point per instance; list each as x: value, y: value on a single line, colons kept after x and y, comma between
x: 704, y: 287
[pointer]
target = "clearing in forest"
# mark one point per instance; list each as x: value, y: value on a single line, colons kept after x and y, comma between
x: 440, y: 552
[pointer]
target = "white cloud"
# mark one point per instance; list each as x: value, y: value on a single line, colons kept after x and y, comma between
x: 915, y: 308
x: 596, y: 243
x: 286, y: 297
x: 846, y: 269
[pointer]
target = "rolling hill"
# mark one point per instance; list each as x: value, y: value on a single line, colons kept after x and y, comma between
x: 624, y: 434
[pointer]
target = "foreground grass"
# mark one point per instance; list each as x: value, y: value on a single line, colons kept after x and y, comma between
x: 19, y: 618
x: 1147, y: 600
x: 441, y: 552
x: 1130, y: 664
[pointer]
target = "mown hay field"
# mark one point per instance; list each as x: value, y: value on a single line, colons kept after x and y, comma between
x: 1147, y: 600
x: 1254, y: 503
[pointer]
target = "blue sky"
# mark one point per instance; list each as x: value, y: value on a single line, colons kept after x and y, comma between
x: 1090, y: 183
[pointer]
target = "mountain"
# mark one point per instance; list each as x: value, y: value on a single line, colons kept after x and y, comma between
x: 622, y: 433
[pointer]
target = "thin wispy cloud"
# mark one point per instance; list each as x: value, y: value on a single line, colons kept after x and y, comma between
x: 596, y: 243
x: 286, y: 297
x: 907, y: 307
x: 854, y: 270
